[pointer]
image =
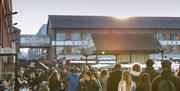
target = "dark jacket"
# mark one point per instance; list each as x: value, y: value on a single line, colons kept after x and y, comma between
x: 166, y: 75
x: 178, y: 74
x: 91, y: 85
x: 143, y: 87
x: 113, y: 80
x: 135, y: 76
x: 153, y: 73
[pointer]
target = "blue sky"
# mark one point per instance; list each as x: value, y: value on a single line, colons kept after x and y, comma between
x: 33, y: 13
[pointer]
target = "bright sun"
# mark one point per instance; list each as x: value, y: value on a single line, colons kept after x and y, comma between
x: 122, y: 17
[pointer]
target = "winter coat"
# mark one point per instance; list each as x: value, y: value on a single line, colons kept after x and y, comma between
x: 72, y: 81
x: 113, y: 80
x: 122, y: 86
x: 103, y: 81
x: 143, y: 87
x: 153, y: 73
x: 166, y: 75
x: 91, y: 85
x: 135, y: 76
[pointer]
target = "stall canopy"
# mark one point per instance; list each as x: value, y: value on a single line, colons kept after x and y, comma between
x: 126, y: 43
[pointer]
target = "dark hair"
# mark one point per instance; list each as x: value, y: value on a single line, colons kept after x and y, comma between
x: 166, y: 63
x: 88, y: 73
x: 104, y: 73
x: 149, y: 62
x: 117, y: 66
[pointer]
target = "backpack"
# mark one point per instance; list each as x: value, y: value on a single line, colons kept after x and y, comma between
x: 166, y: 85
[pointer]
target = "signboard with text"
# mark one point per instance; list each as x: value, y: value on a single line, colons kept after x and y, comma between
x: 69, y: 42
x: 31, y: 41
x: 169, y: 42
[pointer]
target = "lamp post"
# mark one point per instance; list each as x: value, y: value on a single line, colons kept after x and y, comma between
x: 162, y: 53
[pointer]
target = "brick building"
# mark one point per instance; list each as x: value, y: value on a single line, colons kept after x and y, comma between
x: 70, y: 34
x: 5, y: 27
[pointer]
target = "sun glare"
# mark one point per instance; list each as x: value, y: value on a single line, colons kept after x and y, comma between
x: 122, y: 17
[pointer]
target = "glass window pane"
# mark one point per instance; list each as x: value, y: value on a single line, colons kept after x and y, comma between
x: 174, y: 36
x: 60, y: 50
x: 76, y: 36
x: 160, y: 36
x: 60, y: 36
x: 75, y: 50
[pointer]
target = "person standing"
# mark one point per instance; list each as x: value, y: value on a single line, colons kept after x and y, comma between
x: 103, y: 79
x: 135, y: 72
x: 166, y: 81
x: 114, y: 78
x: 88, y: 83
x: 149, y: 69
x: 21, y: 81
x: 72, y: 79
x: 53, y: 81
x: 126, y: 83
x: 144, y: 83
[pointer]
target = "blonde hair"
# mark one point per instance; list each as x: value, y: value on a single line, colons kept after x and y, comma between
x: 126, y: 76
x: 53, y: 78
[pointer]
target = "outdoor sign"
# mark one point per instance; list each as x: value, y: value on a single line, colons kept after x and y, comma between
x: 31, y: 41
x: 168, y: 42
x: 69, y: 42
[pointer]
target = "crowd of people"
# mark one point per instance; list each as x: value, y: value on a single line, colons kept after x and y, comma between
x: 85, y: 78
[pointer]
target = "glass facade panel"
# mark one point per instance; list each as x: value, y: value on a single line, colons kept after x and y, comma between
x: 160, y: 35
x: 76, y: 36
x: 174, y: 36
x: 60, y: 50
x: 60, y: 36
x: 75, y: 50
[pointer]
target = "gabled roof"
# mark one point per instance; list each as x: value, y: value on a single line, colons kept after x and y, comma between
x: 68, y: 21
x: 42, y: 30
x: 126, y: 43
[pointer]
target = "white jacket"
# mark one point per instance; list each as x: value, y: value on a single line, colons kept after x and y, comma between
x: 122, y: 86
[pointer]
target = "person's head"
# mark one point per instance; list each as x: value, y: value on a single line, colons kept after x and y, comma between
x: 86, y: 68
x: 166, y: 65
x: 117, y: 66
x: 149, y: 63
x: 126, y: 76
x: 104, y: 72
x: 21, y: 71
x: 72, y: 70
x: 88, y: 75
x: 136, y: 67
x: 144, y: 78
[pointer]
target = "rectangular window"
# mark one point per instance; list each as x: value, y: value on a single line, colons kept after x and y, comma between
x: 160, y: 36
x: 174, y: 36
x: 60, y: 36
x: 76, y: 36
x: 75, y: 50
x: 60, y: 51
